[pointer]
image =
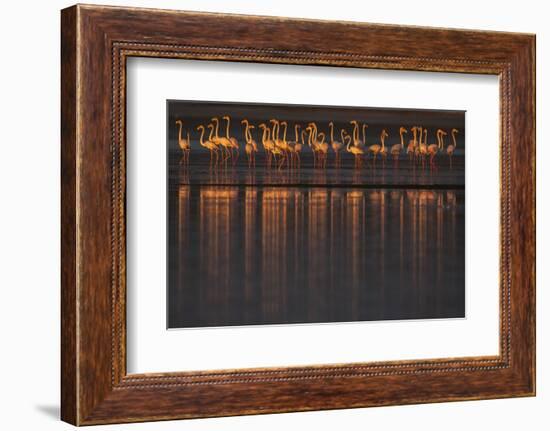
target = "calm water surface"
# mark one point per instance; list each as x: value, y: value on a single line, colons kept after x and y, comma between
x: 249, y: 248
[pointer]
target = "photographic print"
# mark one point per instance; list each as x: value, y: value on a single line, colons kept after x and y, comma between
x: 296, y: 214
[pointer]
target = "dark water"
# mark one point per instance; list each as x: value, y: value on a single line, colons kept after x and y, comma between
x: 389, y: 173
x: 249, y: 248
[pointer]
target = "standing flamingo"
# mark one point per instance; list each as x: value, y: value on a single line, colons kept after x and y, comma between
x: 300, y: 145
x: 356, y: 150
x: 451, y: 148
x: 323, y: 149
x: 209, y: 145
x: 364, y: 128
x: 397, y: 148
x: 378, y: 149
x: 319, y: 145
x: 285, y: 145
x: 313, y: 143
x: 433, y: 149
x: 268, y: 144
x: 309, y: 131
x: 184, y: 144
x: 384, y: 149
x: 279, y: 143
x: 411, y: 148
x: 335, y: 145
x: 233, y: 143
x: 422, y: 148
x: 295, y: 147
x: 355, y: 134
x: 250, y: 148
x: 222, y: 142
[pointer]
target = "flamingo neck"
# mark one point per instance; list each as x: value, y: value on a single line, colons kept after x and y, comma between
x: 211, y: 132
x: 202, y: 137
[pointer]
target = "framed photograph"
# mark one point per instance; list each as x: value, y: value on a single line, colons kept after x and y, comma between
x: 292, y: 215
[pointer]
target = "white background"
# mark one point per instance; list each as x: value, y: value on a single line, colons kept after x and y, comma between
x: 29, y: 228
x: 151, y: 348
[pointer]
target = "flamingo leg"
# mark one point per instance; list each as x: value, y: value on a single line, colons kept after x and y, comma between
x: 281, y: 163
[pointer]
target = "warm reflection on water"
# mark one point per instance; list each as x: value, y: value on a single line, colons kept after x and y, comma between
x: 241, y: 255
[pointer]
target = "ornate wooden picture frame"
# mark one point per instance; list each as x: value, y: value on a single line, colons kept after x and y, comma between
x: 96, y: 41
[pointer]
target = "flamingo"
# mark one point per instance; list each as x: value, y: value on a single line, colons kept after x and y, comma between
x: 377, y: 149
x: 397, y: 148
x: 356, y: 150
x: 411, y: 148
x: 433, y: 149
x: 356, y: 141
x: 312, y: 143
x: 233, y: 143
x: 300, y: 145
x: 295, y: 146
x: 250, y: 148
x: 319, y: 145
x: 209, y: 145
x: 309, y: 132
x: 384, y: 149
x: 364, y: 128
x: 323, y: 148
x: 336, y: 146
x: 268, y: 144
x: 280, y: 143
x: 422, y: 148
x: 451, y: 148
x: 222, y: 142
x: 184, y: 144
x: 285, y: 145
